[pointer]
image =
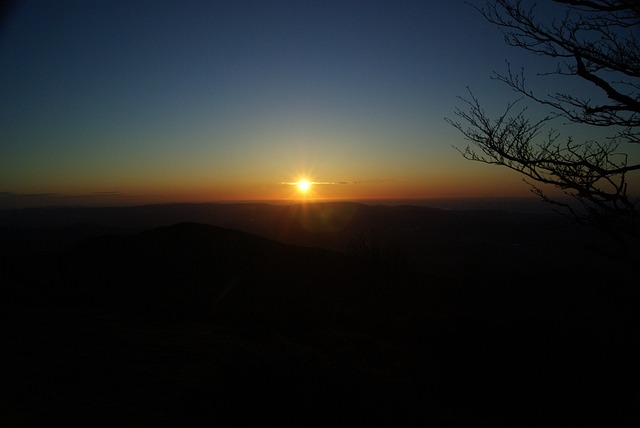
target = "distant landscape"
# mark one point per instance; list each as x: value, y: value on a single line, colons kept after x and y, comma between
x: 313, y: 314
x: 320, y: 213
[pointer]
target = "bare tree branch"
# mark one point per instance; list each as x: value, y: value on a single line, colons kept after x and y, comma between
x: 597, y: 41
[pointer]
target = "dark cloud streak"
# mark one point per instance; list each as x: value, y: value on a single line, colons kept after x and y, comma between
x: 13, y: 200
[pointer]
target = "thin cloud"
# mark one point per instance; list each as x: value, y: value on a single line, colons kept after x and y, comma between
x: 109, y: 194
x: 12, y: 200
x: 295, y: 183
x: 25, y: 195
x: 96, y: 194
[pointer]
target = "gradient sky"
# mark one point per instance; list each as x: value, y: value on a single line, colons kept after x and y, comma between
x: 157, y: 101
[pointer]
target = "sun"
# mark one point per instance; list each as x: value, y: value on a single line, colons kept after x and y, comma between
x: 303, y: 185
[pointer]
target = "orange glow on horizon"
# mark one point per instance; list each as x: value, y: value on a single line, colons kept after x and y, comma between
x: 306, y: 186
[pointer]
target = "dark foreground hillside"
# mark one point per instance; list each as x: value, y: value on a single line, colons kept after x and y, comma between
x: 425, y: 317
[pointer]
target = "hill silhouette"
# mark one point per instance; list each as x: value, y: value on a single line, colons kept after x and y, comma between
x: 424, y: 316
x: 193, y: 270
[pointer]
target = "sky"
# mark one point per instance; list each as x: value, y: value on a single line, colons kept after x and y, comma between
x: 121, y: 102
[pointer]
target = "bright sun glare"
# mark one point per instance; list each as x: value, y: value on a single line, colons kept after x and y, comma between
x: 303, y: 185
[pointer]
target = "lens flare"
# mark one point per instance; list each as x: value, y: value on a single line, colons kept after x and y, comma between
x: 303, y: 185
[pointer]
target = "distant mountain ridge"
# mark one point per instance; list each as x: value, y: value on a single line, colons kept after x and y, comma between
x: 327, y: 225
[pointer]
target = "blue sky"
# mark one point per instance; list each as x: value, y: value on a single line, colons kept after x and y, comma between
x: 209, y: 100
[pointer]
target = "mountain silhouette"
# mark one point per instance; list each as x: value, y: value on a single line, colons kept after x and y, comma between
x: 192, y: 270
x: 426, y: 316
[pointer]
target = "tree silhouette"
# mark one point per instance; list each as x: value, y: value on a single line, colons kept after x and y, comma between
x: 597, y: 41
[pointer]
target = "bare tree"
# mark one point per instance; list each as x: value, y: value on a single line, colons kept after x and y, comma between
x: 594, y: 40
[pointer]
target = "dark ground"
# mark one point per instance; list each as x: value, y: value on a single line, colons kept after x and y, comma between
x: 346, y: 315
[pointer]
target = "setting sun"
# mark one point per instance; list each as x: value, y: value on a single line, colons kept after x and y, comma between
x: 303, y: 185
